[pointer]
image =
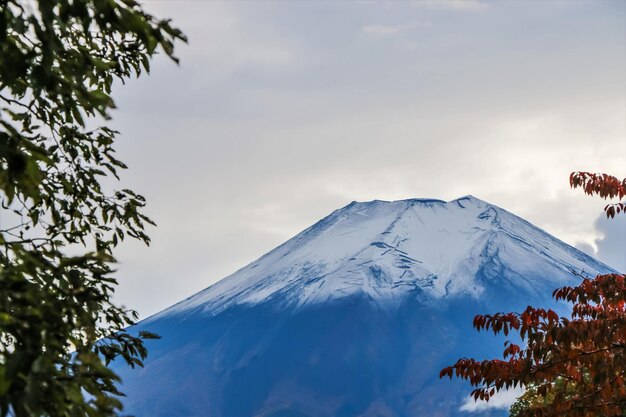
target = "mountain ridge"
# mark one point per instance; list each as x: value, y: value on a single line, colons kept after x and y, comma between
x: 383, y: 254
x: 354, y: 316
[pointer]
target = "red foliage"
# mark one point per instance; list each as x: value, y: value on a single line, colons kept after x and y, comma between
x: 586, y: 352
x: 606, y: 186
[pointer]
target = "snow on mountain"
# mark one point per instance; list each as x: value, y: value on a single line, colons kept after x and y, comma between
x: 353, y: 317
x: 386, y: 249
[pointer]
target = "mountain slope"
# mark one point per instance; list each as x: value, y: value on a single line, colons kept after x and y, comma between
x: 353, y: 316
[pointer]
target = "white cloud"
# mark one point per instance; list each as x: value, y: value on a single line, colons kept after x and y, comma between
x: 221, y: 42
x: 610, y: 245
x: 271, y: 122
x: 457, y: 5
x: 586, y: 247
x: 502, y: 400
x: 612, y: 241
x: 383, y: 30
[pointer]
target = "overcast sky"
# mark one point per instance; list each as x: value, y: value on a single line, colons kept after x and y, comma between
x: 281, y: 112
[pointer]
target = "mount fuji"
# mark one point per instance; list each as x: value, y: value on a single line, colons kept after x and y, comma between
x: 354, y: 316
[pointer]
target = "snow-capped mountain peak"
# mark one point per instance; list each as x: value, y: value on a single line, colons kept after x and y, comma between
x: 390, y: 250
x: 354, y: 316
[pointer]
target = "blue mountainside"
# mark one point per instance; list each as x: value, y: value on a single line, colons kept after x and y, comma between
x: 355, y: 316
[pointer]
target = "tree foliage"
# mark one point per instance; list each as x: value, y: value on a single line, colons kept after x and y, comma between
x: 59, y: 224
x: 571, y: 366
x: 532, y: 399
x: 606, y: 186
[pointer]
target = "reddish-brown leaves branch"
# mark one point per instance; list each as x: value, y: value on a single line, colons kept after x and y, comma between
x: 577, y: 364
x: 589, y: 351
x: 606, y: 186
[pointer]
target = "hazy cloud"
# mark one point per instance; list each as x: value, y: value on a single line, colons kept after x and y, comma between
x: 280, y: 113
x: 392, y: 29
x: 455, y: 5
x: 610, y: 246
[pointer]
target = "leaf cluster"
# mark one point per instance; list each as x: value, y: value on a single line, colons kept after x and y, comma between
x: 606, y: 186
x: 586, y: 354
x: 571, y: 366
x: 59, y: 224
